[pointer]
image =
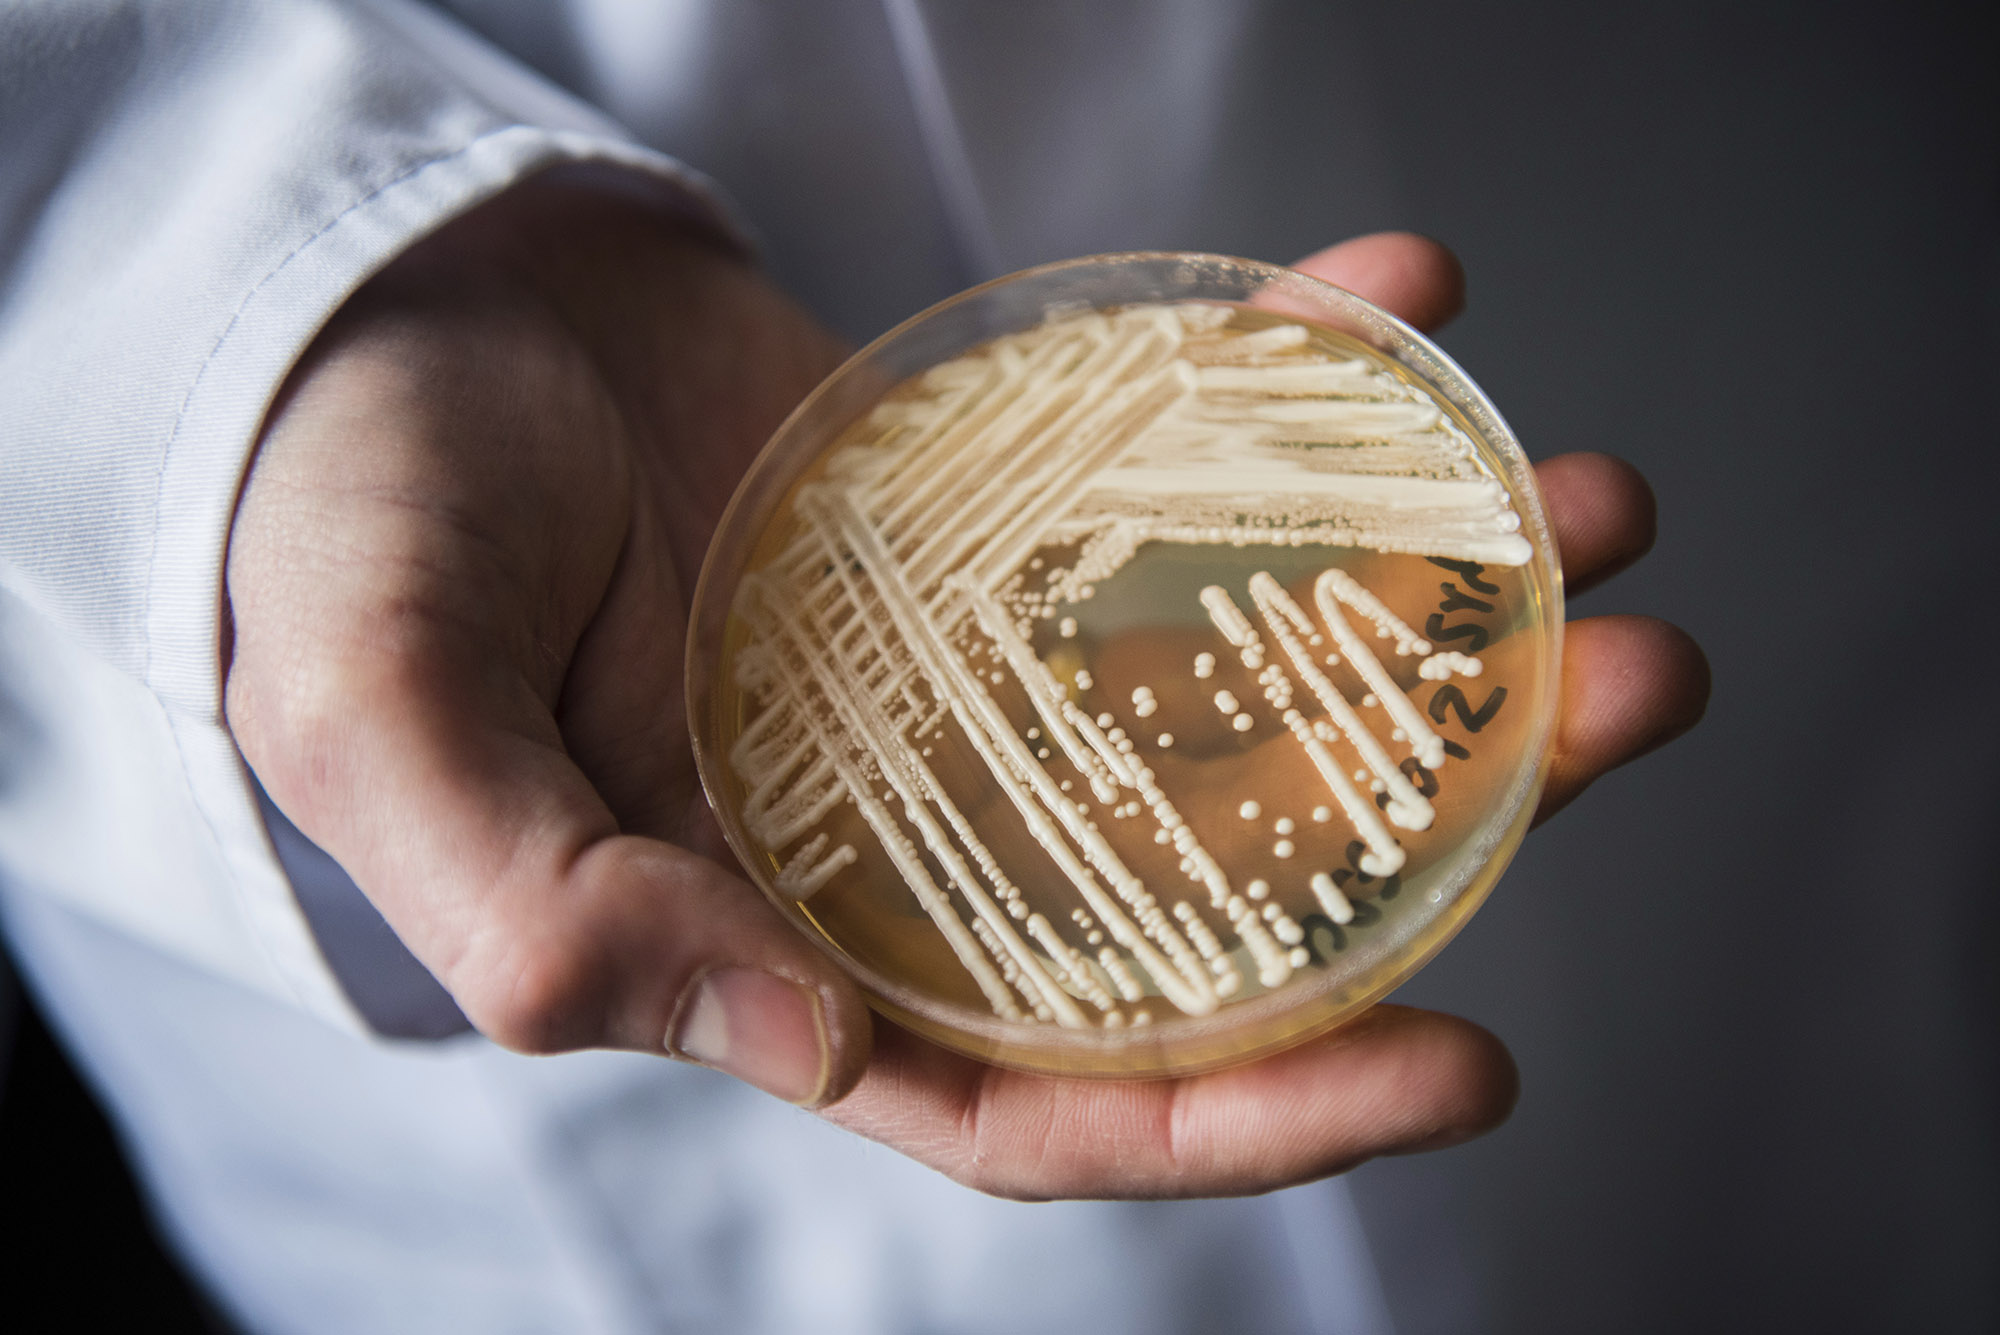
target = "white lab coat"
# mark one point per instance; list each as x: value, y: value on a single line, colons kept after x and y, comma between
x: 187, y: 192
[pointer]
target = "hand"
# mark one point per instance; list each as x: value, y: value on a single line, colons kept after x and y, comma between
x: 458, y: 581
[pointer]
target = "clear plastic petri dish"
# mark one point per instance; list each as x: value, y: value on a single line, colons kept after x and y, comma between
x: 1133, y: 665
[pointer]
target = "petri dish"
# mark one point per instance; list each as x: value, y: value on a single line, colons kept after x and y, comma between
x: 1133, y: 665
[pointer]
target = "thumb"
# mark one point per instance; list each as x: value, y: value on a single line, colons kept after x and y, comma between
x: 437, y: 776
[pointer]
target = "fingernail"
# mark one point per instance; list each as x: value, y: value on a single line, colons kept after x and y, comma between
x: 758, y: 1027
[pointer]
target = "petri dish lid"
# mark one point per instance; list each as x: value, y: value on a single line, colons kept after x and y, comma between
x: 1132, y: 665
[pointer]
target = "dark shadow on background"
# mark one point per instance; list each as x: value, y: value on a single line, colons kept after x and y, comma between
x: 75, y: 1241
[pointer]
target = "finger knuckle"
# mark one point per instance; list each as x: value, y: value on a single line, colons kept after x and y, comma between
x: 294, y: 731
x: 1007, y: 1176
x: 547, y: 996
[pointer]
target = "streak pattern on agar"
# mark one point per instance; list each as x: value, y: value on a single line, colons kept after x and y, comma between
x: 900, y: 605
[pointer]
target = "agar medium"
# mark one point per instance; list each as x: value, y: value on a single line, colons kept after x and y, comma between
x: 1131, y: 666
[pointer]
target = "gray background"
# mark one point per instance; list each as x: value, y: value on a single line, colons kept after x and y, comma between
x: 1750, y: 983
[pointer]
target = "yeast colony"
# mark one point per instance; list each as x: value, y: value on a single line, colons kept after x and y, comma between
x: 1143, y: 687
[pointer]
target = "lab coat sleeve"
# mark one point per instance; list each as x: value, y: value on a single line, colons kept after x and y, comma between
x: 187, y: 192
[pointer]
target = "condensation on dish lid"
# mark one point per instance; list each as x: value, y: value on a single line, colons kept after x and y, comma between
x: 1131, y: 666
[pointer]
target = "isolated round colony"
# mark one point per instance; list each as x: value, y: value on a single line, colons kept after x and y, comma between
x: 1133, y: 665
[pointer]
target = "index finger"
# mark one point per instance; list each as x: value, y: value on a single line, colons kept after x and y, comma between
x: 1412, y: 277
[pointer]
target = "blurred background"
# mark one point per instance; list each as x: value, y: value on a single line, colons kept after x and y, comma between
x: 1754, y: 249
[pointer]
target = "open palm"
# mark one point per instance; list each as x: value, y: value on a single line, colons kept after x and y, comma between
x: 459, y: 579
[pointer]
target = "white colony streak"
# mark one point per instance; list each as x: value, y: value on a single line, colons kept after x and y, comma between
x: 1439, y: 667
x: 777, y: 819
x: 1288, y: 622
x: 890, y: 748
x: 901, y: 852
x: 1348, y: 377
x: 1363, y: 419
x: 1407, y: 807
x: 1069, y: 960
x: 1274, y: 967
x: 1258, y: 343
x: 1142, y: 401
x: 1350, y: 591
x: 925, y: 513
x: 1336, y: 904
x: 1227, y: 616
x: 1102, y: 768
x: 1086, y: 745
x: 986, y: 425
x: 1200, y: 317
x: 817, y: 792
x: 1063, y: 449
x: 1334, y: 587
x: 912, y: 782
x: 802, y: 877
x: 1251, y: 477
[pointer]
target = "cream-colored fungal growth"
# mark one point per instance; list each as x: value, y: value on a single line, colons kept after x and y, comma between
x: 965, y: 615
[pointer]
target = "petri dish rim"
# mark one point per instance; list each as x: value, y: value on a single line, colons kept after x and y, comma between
x: 1008, y: 304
